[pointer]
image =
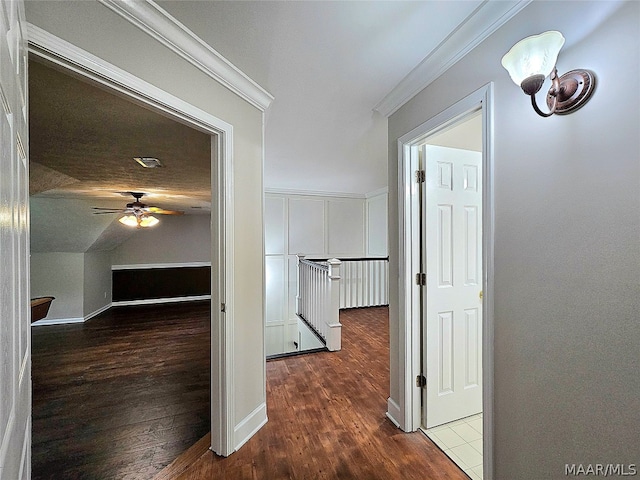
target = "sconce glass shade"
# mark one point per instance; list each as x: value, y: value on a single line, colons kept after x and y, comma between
x: 535, y: 55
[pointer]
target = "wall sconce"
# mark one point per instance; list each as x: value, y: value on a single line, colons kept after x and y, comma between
x: 532, y: 59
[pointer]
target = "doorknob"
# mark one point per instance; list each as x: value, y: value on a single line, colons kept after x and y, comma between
x: 480, y: 294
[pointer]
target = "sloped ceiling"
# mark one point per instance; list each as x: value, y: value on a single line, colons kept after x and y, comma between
x: 67, y: 225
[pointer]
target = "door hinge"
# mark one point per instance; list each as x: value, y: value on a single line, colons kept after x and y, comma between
x: 420, y: 176
x: 421, y: 279
x: 421, y: 381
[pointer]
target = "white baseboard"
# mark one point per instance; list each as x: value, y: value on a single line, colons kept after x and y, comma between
x: 393, y: 412
x: 155, y: 301
x: 97, y: 312
x: 57, y: 321
x: 250, y: 425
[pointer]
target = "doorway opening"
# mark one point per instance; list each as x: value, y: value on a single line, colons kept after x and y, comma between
x: 55, y: 52
x: 446, y: 204
x: 451, y: 300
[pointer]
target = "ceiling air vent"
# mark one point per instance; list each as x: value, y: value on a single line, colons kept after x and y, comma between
x: 148, y: 162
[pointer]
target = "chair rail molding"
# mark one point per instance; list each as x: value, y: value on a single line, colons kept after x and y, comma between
x: 481, y: 23
x: 311, y: 193
x: 143, y: 266
x: 159, y: 24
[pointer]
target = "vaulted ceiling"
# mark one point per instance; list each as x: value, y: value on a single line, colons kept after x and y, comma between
x: 328, y: 64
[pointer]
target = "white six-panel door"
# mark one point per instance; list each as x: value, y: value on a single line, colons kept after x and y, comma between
x: 15, y: 346
x: 452, y: 321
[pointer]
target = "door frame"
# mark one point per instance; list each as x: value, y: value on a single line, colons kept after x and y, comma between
x: 81, y: 63
x: 409, y: 262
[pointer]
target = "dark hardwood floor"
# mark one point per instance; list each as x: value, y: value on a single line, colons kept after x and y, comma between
x: 327, y: 419
x: 121, y: 396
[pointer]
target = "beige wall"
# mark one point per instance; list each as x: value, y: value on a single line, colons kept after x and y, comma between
x: 97, y: 282
x: 59, y: 275
x: 176, y: 239
x: 96, y: 29
x: 567, y: 255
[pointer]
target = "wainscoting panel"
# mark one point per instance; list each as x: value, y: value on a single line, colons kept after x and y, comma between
x: 346, y: 227
x: 157, y: 283
x: 306, y: 225
x: 275, y: 288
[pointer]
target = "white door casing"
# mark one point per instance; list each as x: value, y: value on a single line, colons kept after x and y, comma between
x: 68, y: 56
x: 453, y: 304
x: 404, y: 407
x: 15, y: 315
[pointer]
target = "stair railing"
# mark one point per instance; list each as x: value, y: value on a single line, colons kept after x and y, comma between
x: 364, y: 282
x: 318, y: 299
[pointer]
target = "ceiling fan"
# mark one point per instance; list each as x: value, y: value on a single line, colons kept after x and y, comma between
x: 138, y: 214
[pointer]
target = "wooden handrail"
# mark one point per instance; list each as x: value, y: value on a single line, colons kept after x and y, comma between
x: 354, y: 259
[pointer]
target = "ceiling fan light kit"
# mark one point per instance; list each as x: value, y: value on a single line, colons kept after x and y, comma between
x: 139, y: 221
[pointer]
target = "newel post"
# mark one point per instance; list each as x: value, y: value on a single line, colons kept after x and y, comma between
x: 300, y: 286
x: 334, y: 330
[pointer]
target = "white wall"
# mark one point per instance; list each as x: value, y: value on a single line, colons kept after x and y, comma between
x: 567, y: 256
x: 176, y: 239
x: 96, y: 29
x: 60, y: 275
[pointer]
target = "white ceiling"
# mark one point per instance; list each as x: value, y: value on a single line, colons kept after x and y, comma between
x: 328, y: 64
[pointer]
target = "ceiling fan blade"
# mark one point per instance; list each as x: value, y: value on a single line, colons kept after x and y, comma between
x: 109, y: 213
x: 111, y: 209
x: 162, y: 211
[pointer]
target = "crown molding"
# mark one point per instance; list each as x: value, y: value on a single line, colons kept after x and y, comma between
x: 159, y: 24
x: 60, y: 52
x: 484, y: 20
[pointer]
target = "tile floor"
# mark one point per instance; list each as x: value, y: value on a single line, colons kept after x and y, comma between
x: 462, y: 442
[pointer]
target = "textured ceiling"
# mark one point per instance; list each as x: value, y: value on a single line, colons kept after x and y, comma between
x: 83, y: 140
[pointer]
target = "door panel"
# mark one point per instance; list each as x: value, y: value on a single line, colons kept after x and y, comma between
x: 452, y: 304
x: 15, y: 347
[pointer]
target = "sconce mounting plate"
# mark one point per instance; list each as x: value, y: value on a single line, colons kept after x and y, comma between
x: 576, y: 88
